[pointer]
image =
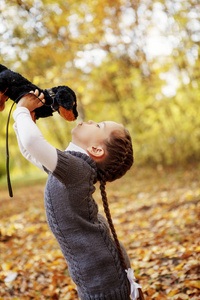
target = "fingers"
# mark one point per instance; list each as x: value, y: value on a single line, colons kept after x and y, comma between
x: 32, y: 100
x: 40, y: 97
x: 42, y: 100
x: 36, y: 93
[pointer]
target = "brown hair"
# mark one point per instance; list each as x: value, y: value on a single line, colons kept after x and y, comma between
x: 119, y: 159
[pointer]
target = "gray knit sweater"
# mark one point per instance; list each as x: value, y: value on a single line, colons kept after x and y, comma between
x: 82, y: 232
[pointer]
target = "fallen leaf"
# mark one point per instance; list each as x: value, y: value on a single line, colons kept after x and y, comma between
x: 172, y: 293
x: 195, y: 284
x: 11, y: 276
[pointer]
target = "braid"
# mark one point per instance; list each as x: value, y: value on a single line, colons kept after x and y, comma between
x: 119, y: 159
x: 110, y: 222
x: 117, y: 162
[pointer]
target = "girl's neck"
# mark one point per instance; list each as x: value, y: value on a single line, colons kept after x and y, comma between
x: 76, y: 148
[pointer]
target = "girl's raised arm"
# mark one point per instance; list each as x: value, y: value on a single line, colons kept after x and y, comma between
x: 31, y: 139
x: 25, y: 153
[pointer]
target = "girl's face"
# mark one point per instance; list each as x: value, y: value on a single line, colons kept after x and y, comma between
x: 93, y: 134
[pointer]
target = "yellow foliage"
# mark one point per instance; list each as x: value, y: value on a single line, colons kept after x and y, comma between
x: 125, y: 85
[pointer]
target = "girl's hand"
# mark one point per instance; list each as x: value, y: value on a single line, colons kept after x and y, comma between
x: 30, y: 101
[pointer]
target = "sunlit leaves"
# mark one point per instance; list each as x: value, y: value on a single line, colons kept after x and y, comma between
x: 134, y: 62
x: 156, y: 215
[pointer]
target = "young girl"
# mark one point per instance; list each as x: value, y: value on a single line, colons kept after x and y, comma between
x: 98, y: 263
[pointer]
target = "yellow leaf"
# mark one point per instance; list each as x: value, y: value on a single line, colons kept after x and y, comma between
x: 150, y: 271
x: 172, y: 293
x: 198, y: 248
x: 189, y: 195
x: 70, y: 288
x: 6, y: 266
x: 28, y: 265
x: 194, y: 283
x: 30, y: 229
x: 179, y: 267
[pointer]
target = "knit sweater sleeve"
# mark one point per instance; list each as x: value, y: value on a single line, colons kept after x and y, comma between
x: 70, y: 169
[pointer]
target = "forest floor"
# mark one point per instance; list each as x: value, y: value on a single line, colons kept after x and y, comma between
x: 156, y: 212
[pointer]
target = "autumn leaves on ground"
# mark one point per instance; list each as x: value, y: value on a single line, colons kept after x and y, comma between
x: 156, y: 214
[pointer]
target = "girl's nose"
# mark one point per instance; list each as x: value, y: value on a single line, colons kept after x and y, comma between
x: 91, y: 122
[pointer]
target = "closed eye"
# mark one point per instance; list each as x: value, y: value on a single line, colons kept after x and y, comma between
x: 98, y: 125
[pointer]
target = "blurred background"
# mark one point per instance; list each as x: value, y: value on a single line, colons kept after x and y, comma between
x: 133, y: 62
x: 136, y: 62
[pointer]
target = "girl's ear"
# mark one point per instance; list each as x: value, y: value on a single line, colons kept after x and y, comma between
x: 96, y: 151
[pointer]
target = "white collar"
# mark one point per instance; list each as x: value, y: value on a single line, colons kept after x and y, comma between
x: 73, y: 147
